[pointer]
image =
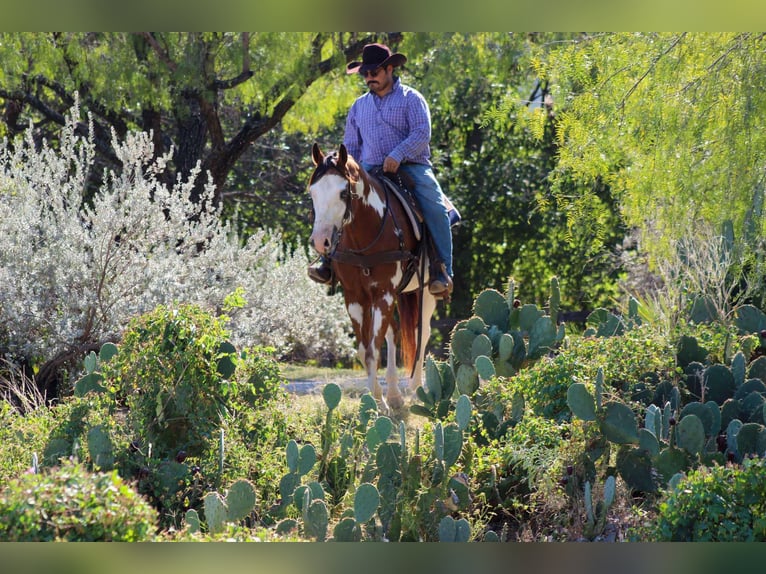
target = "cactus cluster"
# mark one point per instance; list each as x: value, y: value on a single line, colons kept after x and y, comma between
x: 595, y: 515
x: 92, y: 379
x: 502, y: 336
x: 717, y: 413
x: 400, y: 491
x: 219, y: 510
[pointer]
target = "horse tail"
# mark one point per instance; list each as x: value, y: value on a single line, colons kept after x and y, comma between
x: 409, y: 319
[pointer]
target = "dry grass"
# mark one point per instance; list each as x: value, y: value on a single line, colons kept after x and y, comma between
x: 19, y: 390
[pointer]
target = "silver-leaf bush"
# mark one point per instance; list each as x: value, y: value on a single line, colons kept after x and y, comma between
x: 73, y: 274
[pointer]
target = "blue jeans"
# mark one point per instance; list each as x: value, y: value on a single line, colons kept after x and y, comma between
x: 431, y: 200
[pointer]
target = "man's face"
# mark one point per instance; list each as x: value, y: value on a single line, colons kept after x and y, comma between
x: 379, y: 80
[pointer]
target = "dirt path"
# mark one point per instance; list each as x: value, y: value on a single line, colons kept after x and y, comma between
x: 349, y: 385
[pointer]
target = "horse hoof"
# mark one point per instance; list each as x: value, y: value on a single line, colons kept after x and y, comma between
x: 396, y: 403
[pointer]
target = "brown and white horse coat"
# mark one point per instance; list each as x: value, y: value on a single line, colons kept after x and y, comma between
x: 367, y: 235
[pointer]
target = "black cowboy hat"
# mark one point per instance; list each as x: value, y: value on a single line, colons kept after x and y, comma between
x: 375, y: 56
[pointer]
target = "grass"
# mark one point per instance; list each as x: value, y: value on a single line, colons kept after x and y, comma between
x: 307, y: 372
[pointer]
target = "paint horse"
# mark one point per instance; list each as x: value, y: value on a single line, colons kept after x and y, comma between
x: 373, y: 246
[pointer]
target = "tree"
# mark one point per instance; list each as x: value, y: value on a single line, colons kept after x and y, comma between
x: 497, y: 171
x: 209, y: 96
x: 673, y: 124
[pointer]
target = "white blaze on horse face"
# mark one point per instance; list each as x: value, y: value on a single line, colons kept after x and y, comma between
x: 329, y: 209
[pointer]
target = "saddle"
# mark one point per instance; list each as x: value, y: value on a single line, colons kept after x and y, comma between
x: 400, y: 186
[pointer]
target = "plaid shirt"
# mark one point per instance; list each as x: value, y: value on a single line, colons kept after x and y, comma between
x: 396, y: 125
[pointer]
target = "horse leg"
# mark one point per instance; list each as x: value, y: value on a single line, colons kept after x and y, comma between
x: 393, y: 394
x: 371, y: 325
x: 429, y: 306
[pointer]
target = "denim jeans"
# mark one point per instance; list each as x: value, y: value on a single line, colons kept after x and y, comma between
x: 432, y: 203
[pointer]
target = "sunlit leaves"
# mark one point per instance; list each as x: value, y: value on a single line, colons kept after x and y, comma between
x: 673, y: 122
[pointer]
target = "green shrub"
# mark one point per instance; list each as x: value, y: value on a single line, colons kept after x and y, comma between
x: 175, y: 371
x: 201, y: 414
x: 625, y: 360
x: 715, y: 504
x: 69, y: 503
x: 509, y: 469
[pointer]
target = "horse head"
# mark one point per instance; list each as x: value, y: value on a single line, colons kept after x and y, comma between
x: 330, y: 190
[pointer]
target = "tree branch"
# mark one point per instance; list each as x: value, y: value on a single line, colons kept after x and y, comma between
x: 649, y: 69
x: 161, y: 53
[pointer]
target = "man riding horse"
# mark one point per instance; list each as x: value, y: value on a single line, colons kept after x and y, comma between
x: 390, y: 127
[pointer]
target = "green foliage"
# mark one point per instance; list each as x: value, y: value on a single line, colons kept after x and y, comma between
x: 617, y: 126
x: 497, y: 172
x: 68, y: 503
x: 715, y: 504
x: 626, y: 363
x: 175, y: 373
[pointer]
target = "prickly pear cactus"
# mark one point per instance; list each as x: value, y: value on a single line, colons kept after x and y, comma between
x: 581, y: 402
x: 91, y: 381
x: 501, y: 337
x: 718, y: 382
x: 366, y: 501
x: 100, y: 448
x: 192, y: 520
x: 451, y: 530
x: 240, y: 500
x: 603, y: 323
x: 215, y: 512
x: 316, y: 519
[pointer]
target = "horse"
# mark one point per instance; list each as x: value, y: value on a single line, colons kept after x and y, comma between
x: 373, y: 247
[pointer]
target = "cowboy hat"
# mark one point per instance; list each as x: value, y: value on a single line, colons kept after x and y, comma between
x: 375, y: 56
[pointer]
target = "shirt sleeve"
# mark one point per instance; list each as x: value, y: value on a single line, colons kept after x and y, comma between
x: 419, y: 137
x: 352, y: 139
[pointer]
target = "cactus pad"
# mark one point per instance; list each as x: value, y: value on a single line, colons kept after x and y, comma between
x: 215, y: 512
x: 691, y: 434
x: 366, y: 501
x: 581, y: 402
x: 240, y: 500
x: 492, y: 307
x: 619, y: 423
x: 331, y: 394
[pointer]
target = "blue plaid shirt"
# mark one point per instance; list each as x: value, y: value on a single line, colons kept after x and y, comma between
x: 396, y: 125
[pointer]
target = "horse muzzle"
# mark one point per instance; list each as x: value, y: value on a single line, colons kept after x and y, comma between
x: 323, y: 241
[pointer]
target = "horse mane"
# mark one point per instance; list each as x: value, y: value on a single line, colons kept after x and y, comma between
x: 353, y: 170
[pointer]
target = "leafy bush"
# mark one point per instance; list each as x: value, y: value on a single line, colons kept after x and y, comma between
x: 69, y: 503
x: 625, y: 360
x: 200, y: 414
x: 180, y: 378
x: 510, y: 469
x: 715, y: 504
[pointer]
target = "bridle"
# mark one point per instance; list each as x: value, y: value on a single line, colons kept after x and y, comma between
x: 360, y: 257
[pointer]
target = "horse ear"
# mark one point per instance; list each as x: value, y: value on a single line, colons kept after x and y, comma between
x: 342, y: 157
x: 316, y: 154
